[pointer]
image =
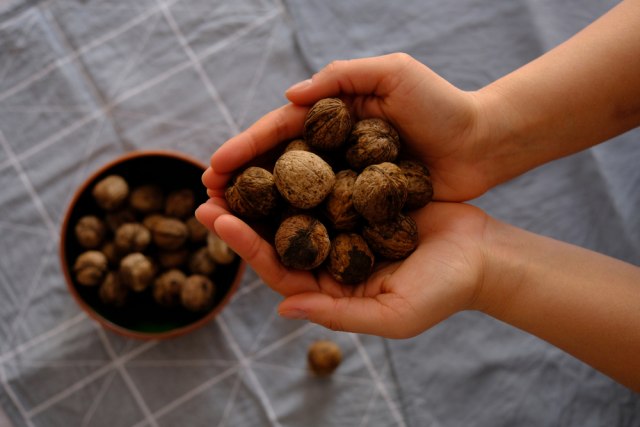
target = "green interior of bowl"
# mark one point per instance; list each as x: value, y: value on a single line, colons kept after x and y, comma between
x: 141, y: 314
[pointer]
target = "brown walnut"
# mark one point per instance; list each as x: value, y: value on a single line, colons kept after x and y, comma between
x: 90, y: 268
x: 419, y: 186
x: 200, y: 262
x: 169, y: 233
x: 252, y: 194
x: 115, y: 219
x: 90, y: 231
x: 110, y: 192
x: 132, y: 237
x: 350, y: 259
x: 197, y: 232
x: 112, y: 291
x: 302, y: 242
x: 172, y: 259
x: 297, y: 144
x: 147, y: 199
x: 167, y: 287
x: 137, y: 271
x: 380, y: 192
x: 327, y: 124
x: 393, y: 240
x: 338, y: 206
x: 219, y: 251
x: 303, y: 178
x: 372, y: 141
x: 324, y: 357
x: 180, y: 203
x: 197, y: 293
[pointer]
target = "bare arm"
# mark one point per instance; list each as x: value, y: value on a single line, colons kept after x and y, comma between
x: 586, y: 303
x: 579, y: 94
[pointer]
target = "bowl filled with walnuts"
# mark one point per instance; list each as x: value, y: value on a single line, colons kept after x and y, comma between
x: 133, y: 254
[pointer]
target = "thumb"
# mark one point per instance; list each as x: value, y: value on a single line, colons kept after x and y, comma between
x: 349, y: 314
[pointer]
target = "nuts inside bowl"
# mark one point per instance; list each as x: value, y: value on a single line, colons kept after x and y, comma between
x: 129, y: 236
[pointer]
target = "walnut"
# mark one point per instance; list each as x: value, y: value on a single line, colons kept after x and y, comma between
x: 112, y: 253
x: 394, y: 240
x: 372, y: 141
x: 419, y: 186
x: 327, y: 124
x: 297, y: 144
x: 200, y: 262
x: 137, y: 271
x: 302, y: 242
x: 147, y: 199
x: 338, y: 206
x: 90, y: 268
x: 350, y: 259
x: 167, y: 287
x: 118, y: 217
x: 303, y: 178
x: 380, y: 192
x: 110, y: 192
x: 151, y: 220
x: 219, y: 251
x: 90, y: 231
x: 324, y: 357
x: 169, y: 233
x: 252, y: 194
x: 112, y: 291
x: 172, y: 259
x: 132, y: 237
x: 180, y: 203
x: 197, y: 232
x: 197, y: 293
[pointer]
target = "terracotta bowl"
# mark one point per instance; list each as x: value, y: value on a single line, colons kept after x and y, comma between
x: 142, y: 318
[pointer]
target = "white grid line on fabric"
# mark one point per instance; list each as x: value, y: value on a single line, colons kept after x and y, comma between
x: 142, y: 405
x: 13, y: 398
x: 62, y: 327
x: 73, y: 55
x: 35, y: 285
x: 226, y: 413
x: 141, y: 88
x: 282, y: 341
x: 378, y: 381
x: 193, y: 393
x: 13, y: 160
x: 197, y: 65
x: 78, y: 385
x: 251, y: 377
x: 86, y: 420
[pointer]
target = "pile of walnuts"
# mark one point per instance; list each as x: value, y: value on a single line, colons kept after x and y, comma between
x: 340, y: 192
x: 145, y: 240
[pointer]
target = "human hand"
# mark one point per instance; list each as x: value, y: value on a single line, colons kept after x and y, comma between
x: 438, y: 123
x: 400, y: 299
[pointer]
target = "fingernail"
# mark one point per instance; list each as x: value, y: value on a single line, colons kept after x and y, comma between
x: 300, y: 85
x: 293, y: 314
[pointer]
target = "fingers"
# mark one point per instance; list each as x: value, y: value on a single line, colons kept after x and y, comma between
x: 367, y: 76
x: 275, y: 127
x: 260, y: 255
x: 353, y: 314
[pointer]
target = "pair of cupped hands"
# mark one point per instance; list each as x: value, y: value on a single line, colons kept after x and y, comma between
x: 439, y: 125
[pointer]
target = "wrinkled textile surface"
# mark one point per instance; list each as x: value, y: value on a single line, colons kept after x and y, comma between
x: 83, y: 81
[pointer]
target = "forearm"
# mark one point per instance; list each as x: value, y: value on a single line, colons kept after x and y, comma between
x: 579, y: 94
x: 583, y: 302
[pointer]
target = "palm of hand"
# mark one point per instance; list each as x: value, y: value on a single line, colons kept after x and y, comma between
x: 403, y: 298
